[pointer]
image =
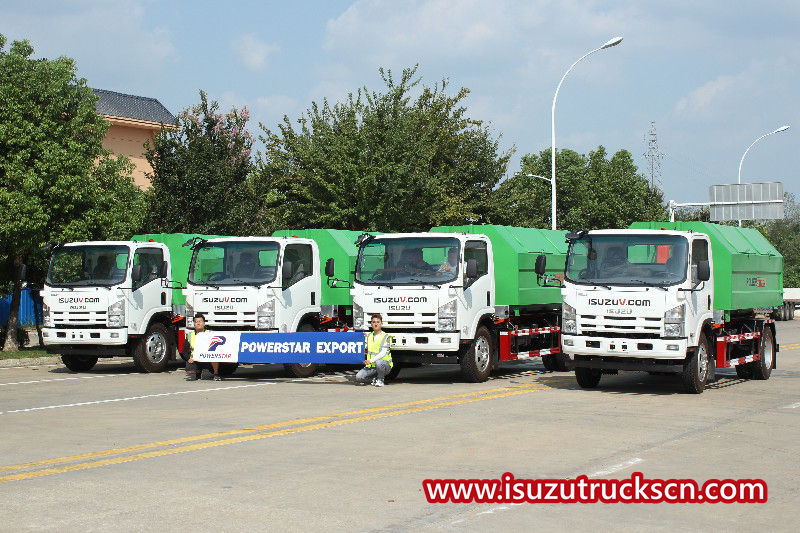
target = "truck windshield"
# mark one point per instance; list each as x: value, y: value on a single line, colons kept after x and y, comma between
x: 84, y: 266
x: 234, y: 263
x: 409, y: 261
x: 632, y: 260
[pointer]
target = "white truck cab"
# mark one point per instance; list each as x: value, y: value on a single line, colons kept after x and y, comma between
x: 433, y: 290
x: 106, y: 298
x: 256, y: 283
x: 635, y: 299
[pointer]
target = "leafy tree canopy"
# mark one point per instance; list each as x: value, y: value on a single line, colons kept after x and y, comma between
x: 57, y: 183
x: 592, y: 192
x: 382, y: 161
x: 199, y: 172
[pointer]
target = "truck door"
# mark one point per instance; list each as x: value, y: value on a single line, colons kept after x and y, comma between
x: 300, y: 291
x: 147, y: 293
x: 478, y: 291
x: 700, y: 302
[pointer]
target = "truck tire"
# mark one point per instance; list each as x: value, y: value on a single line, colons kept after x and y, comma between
x: 561, y: 362
x: 394, y: 372
x: 227, y: 369
x: 79, y: 363
x: 476, y: 361
x: 588, y: 378
x: 302, y: 370
x: 695, y: 370
x: 153, y: 349
x: 744, y: 371
x: 549, y: 362
x: 763, y: 367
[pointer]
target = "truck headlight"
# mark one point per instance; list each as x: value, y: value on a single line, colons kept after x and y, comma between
x: 265, y: 315
x: 569, y: 322
x: 47, y: 318
x: 673, y: 322
x: 447, y: 316
x: 189, y: 313
x: 116, y: 315
x: 358, y: 316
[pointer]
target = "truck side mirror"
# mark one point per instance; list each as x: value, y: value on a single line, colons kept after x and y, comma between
x: 329, y: 267
x: 472, y: 269
x: 286, y: 271
x: 23, y: 271
x: 136, y: 273
x: 164, y: 268
x: 541, y: 263
x: 703, y: 270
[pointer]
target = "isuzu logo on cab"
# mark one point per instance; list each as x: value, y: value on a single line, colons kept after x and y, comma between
x: 619, y: 301
x: 74, y: 300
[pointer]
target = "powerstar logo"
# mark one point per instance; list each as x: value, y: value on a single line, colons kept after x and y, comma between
x: 224, y: 300
x: 74, y: 300
x: 619, y: 301
x: 401, y: 299
x: 215, y: 342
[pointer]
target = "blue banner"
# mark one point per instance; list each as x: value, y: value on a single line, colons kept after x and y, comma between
x: 262, y: 347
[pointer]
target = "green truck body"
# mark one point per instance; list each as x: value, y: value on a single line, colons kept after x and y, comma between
x: 338, y: 245
x: 514, y: 252
x: 180, y: 257
x: 748, y: 270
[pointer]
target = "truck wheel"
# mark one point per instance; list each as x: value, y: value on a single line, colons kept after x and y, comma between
x: 549, y: 362
x: 476, y: 361
x: 561, y: 362
x: 152, y: 351
x: 302, y: 370
x: 744, y: 371
x: 394, y: 372
x: 695, y: 370
x: 588, y: 378
x: 79, y: 363
x: 227, y: 369
x: 763, y: 367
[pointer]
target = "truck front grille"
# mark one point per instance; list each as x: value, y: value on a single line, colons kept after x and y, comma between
x: 620, y: 326
x: 64, y: 319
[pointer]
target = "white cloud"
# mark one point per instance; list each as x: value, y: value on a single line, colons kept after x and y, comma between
x: 94, y: 32
x: 704, y: 97
x: 253, y: 52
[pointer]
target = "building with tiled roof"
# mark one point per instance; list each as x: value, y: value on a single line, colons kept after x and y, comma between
x: 134, y: 120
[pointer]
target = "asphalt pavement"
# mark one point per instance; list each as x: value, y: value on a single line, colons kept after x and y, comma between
x: 116, y: 450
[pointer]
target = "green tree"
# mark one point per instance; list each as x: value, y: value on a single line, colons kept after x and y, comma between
x: 592, y: 192
x: 784, y: 234
x: 200, y: 170
x: 57, y: 183
x: 380, y: 161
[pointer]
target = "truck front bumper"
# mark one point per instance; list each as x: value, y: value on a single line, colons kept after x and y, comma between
x: 425, y: 342
x: 671, y: 349
x: 111, y: 340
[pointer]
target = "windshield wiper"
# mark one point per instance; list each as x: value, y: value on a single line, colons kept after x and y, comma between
x: 645, y: 284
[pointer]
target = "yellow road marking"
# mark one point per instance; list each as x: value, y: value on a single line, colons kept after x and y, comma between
x: 785, y: 347
x: 182, y: 440
x: 258, y: 436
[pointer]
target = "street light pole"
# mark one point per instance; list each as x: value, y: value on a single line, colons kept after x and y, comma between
x: 782, y: 128
x: 551, y: 187
x: 613, y: 42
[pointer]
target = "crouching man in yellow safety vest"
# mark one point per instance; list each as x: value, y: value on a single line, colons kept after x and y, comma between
x: 378, y: 362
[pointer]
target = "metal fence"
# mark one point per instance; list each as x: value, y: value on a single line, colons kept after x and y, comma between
x: 29, y: 309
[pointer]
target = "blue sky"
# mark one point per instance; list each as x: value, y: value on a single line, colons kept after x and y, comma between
x: 712, y: 75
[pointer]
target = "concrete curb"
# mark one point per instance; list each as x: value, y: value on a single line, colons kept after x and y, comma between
x: 30, y: 361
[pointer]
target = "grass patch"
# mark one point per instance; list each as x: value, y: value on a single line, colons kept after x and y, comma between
x: 24, y: 353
